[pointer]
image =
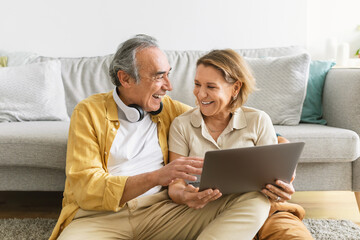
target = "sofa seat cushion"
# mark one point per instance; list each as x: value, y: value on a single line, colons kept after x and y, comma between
x: 34, y: 144
x: 323, y: 143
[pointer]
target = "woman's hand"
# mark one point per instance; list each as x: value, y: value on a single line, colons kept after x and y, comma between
x: 187, y: 194
x: 183, y: 193
x: 195, y: 199
x: 285, y: 191
x: 280, y: 193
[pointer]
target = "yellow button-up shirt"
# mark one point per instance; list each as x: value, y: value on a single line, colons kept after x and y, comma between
x: 93, y: 127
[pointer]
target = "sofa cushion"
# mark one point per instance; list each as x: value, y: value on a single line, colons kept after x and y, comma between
x: 344, y: 144
x: 43, y: 144
x: 183, y: 65
x: 312, y: 110
x: 282, y: 82
x: 282, y: 85
x: 34, y: 144
x: 83, y: 77
x: 271, y: 52
x: 32, y: 92
x: 182, y: 75
x: 18, y: 58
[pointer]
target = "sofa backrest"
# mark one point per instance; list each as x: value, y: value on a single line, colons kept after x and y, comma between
x: 85, y: 76
x: 184, y: 68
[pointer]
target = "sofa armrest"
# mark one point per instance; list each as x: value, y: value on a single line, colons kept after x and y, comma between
x: 341, y: 98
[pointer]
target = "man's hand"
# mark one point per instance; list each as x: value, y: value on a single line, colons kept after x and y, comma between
x: 281, y: 193
x: 180, y: 168
x: 195, y: 199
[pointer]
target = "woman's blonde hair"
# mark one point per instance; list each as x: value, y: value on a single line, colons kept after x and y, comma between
x: 233, y: 68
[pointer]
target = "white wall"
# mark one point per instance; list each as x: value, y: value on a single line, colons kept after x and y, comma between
x: 333, y: 19
x: 74, y: 28
x: 96, y: 27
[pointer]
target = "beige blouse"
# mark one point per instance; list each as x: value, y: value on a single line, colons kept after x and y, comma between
x: 247, y: 127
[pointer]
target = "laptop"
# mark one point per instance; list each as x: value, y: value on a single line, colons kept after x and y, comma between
x: 250, y: 168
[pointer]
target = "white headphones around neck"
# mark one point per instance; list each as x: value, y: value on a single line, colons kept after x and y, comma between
x: 135, y: 113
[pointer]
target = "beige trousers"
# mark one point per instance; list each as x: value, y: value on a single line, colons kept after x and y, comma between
x: 235, y: 216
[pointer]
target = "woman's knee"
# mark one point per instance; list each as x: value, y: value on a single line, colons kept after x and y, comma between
x: 255, y: 203
x: 258, y: 199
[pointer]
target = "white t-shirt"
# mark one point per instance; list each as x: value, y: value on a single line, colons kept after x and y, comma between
x: 136, y: 148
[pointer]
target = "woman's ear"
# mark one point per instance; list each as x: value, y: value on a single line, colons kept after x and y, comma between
x: 124, y: 79
x: 236, y: 88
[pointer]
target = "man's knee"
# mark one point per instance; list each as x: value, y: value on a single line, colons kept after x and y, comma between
x: 283, y: 225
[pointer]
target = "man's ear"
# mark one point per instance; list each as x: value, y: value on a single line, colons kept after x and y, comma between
x: 124, y: 79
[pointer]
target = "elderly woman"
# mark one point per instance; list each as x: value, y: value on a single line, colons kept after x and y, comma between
x: 222, y: 84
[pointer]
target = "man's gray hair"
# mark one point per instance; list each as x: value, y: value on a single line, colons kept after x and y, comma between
x: 125, y: 57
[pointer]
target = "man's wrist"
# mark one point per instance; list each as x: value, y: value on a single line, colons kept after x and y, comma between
x: 153, y: 178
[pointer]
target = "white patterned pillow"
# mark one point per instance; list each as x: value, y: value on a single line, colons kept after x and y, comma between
x: 32, y: 92
x: 18, y: 58
x: 282, y: 83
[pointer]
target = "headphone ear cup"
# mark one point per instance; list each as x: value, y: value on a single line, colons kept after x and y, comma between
x: 136, y: 115
x: 158, y: 111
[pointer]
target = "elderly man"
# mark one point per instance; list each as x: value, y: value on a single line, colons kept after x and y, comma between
x: 117, y: 164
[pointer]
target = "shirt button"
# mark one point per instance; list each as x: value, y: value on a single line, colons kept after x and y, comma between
x: 113, y: 129
x: 105, y: 153
x: 116, y: 123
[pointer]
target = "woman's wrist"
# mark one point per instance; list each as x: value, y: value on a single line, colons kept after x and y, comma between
x: 176, y: 191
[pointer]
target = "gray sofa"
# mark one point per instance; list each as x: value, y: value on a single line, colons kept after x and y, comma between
x: 33, y: 153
